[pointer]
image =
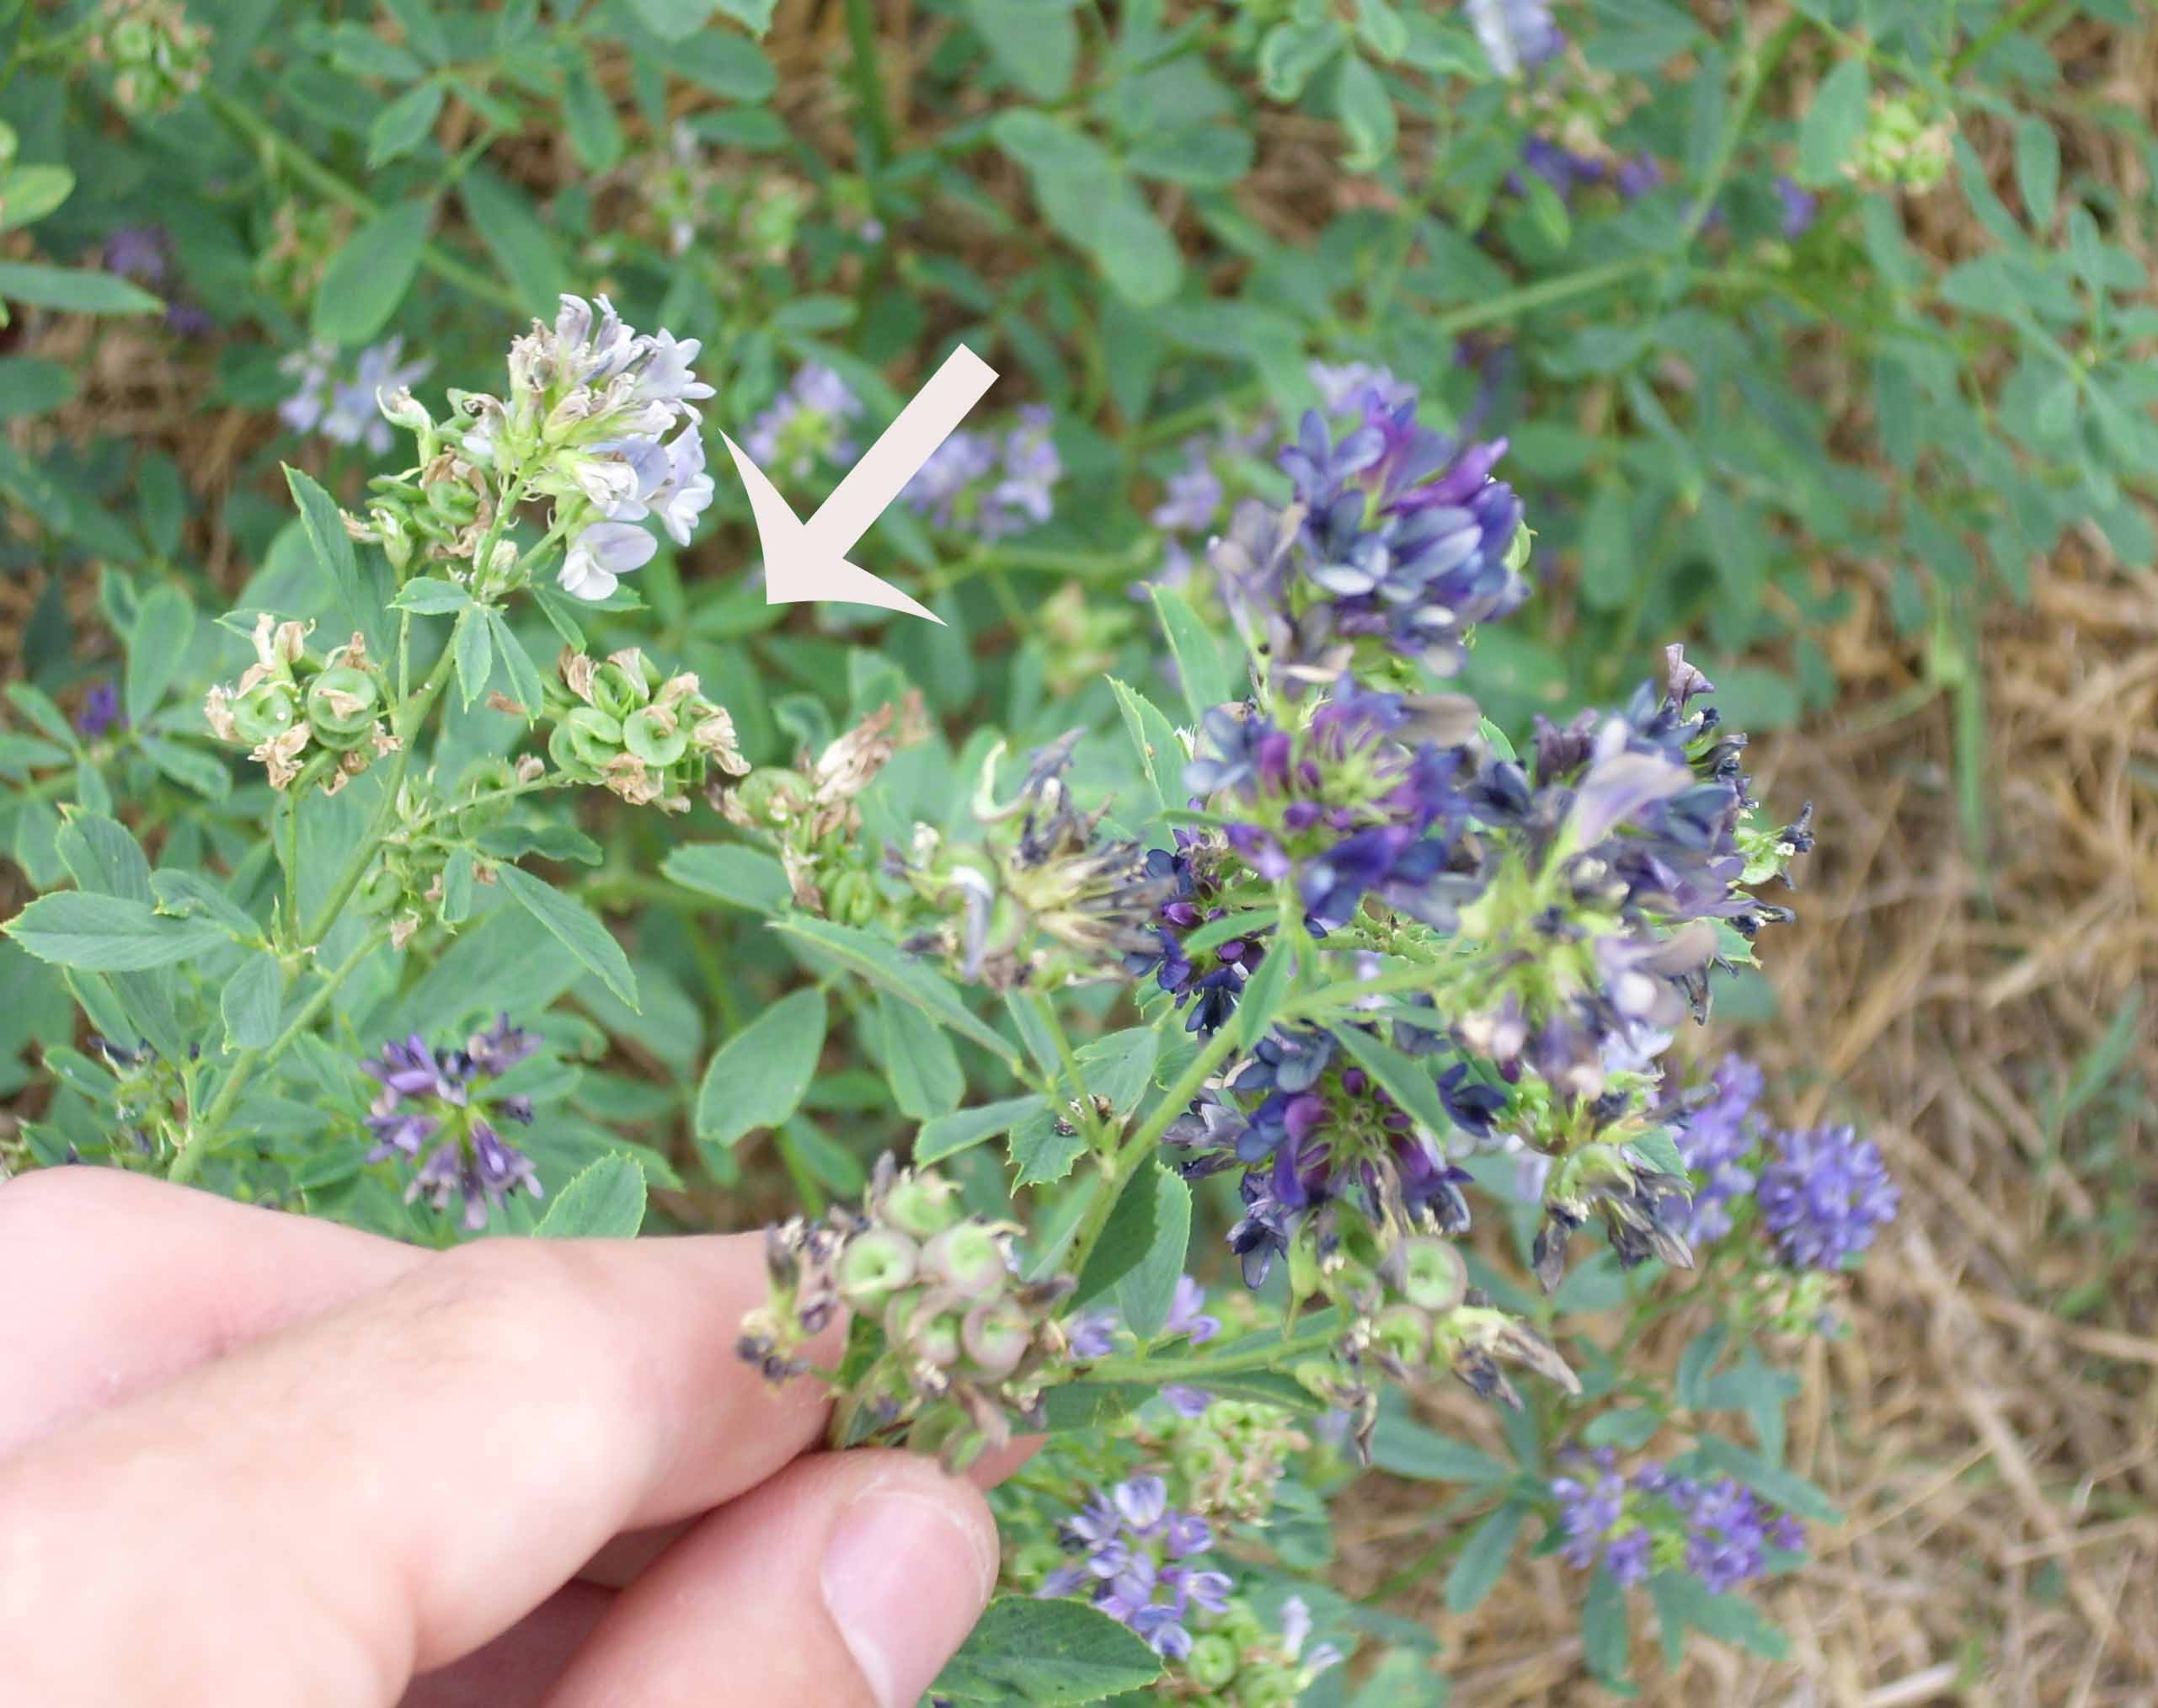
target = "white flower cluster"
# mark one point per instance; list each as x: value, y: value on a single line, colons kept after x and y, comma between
x: 591, y: 402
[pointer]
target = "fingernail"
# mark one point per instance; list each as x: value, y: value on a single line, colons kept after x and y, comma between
x: 907, y: 1573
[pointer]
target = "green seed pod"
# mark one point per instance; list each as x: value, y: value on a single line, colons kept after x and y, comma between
x: 920, y: 1205
x: 648, y: 734
x: 593, y: 737
x: 618, y: 691
x: 876, y: 1264
x: 1431, y: 1274
x: 452, y: 502
x: 937, y: 1339
x: 1405, y: 1332
x: 1212, y: 1662
x: 381, y: 890
x: 771, y: 795
x: 996, y: 1335
x: 969, y: 1257
x: 265, y: 712
x: 341, y: 705
x: 852, y: 899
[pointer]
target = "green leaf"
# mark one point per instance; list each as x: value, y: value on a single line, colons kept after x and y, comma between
x: 1660, y: 1150
x: 164, y: 629
x: 673, y: 20
x: 1367, y: 111
x: 964, y: 1129
x: 1120, y: 1066
x: 1406, y: 1448
x: 29, y: 192
x: 71, y: 291
x: 1483, y: 1557
x: 1034, y: 42
x: 920, y: 1064
x: 323, y: 524
x: 1199, y: 664
x: 473, y: 641
x: 1161, y: 754
x: 1202, y: 157
x: 2037, y: 170
x: 401, y: 127
x: 757, y: 1077
x: 521, y: 244
x: 575, y: 927
x: 101, y: 857
x: 525, y: 687
x: 1135, y: 250
x: 1263, y: 994
x: 252, y: 1002
x: 1043, y: 1146
x: 1603, y: 1635
x: 595, y: 133
x: 427, y: 596
x: 1147, y: 1288
x: 1028, y: 1653
x: 605, y: 1201
x: 891, y: 968
x: 108, y: 933
x: 1629, y: 1426
x: 743, y: 877
x: 1785, y: 1488
x: 458, y: 876
x: 1833, y: 123
x: 32, y: 385
x: 753, y: 15
x: 365, y: 279
x: 1682, y: 1600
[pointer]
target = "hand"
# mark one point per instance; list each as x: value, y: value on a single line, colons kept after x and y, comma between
x: 248, y: 1458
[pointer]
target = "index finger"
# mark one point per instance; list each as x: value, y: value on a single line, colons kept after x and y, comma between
x: 386, y: 1487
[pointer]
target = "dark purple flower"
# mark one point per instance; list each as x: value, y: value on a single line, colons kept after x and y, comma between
x: 1823, y: 1196
x: 1800, y: 206
x: 100, y: 715
x: 442, y: 1098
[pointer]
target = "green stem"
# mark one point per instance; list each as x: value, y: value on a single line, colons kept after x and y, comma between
x: 1977, y: 49
x: 327, y: 184
x: 1195, y: 1371
x: 201, y: 1132
x: 868, y: 86
x: 1758, y: 67
x: 355, y: 868
x: 1125, y: 1162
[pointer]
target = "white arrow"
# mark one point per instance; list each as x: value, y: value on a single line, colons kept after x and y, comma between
x: 806, y: 561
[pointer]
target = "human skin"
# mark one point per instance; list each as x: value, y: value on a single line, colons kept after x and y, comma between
x: 252, y: 1460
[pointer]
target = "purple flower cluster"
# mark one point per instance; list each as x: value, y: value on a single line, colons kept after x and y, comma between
x: 1321, y: 1132
x: 342, y: 406
x: 1209, y: 979
x: 434, y: 1101
x: 807, y: 421
x: 1824, y: 1195
x: 1404, y: 538
x: 1136, y: 1557
x: 1715, y: 1138
x: 100, y: 715
x: 1517, y: 35
x: 1566, y: 171
x: 1651, y: 1520
x: 992, y: 486
x: 1356, y: 802
x: 145, y: 253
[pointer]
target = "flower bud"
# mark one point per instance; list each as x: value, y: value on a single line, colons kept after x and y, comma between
x: 876, y: 1263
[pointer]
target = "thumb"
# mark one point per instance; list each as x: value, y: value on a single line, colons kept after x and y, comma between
x: 845, y: 1581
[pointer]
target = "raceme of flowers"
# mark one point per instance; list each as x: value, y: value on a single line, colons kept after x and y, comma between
x: 990, y: 486
x: 438, y: 1107
x: 1648, y: 1520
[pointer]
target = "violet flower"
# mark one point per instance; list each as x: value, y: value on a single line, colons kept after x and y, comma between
x: 1135, y: 1563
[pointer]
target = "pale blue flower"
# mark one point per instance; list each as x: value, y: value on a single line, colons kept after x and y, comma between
x: 601, y: 555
